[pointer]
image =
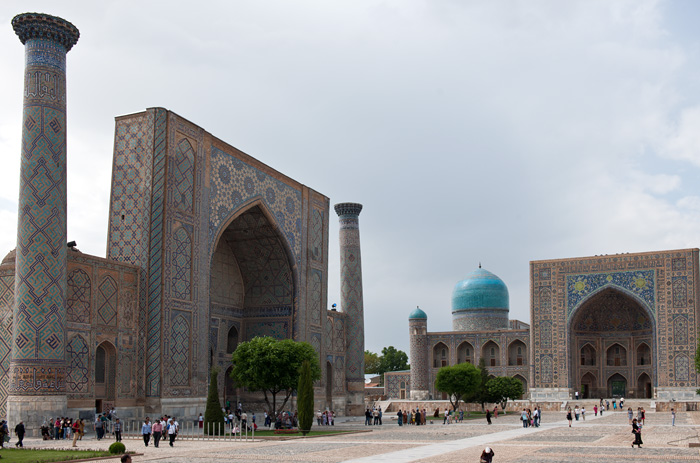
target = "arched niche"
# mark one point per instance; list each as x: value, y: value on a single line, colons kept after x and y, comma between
x: 441, y: 355
x: 517, y: 353
x: 465, y: 353
x: 491, y: 352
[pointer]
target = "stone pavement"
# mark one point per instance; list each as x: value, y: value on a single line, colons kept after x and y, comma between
x: 607, y: 438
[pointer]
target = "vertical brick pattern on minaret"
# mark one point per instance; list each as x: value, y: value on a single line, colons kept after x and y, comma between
x: 37, y: 364
x: 351, y: 289
x: 418, y: 335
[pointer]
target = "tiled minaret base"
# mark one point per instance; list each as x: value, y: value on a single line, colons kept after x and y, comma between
x: 37, y: 365
x: 351, y: 303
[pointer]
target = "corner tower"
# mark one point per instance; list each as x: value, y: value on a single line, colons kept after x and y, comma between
x: 37, y: 363
x: 352, y: 304
x: 418, y: 335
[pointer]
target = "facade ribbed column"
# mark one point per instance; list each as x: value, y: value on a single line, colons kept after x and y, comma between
x: 351, y: 303
x: 37, y: 363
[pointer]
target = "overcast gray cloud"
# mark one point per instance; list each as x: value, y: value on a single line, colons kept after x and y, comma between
x: 493, y: 132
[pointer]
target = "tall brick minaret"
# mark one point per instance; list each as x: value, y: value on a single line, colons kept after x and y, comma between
x: 351, y: 303
x: 37, y: 364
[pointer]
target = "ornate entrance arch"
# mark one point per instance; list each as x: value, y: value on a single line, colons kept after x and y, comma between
x: 611, y: 339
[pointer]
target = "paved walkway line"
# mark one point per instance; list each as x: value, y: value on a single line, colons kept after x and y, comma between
x: 427, y: 451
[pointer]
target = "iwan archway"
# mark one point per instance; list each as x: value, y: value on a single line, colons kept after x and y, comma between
x: 252, y: 283
x: 611, y: 339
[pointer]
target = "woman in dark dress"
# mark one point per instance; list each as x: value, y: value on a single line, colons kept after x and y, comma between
x: 637, y: 431
x: 568, y: 415
x: 488, y: 416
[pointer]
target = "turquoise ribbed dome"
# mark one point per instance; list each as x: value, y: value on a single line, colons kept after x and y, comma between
x: 481, y: 289
x: 418, y: 314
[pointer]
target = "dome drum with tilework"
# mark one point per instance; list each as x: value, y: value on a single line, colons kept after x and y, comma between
x: 480, y: 302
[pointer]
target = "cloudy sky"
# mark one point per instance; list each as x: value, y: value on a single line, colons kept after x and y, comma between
x: 472, y: 131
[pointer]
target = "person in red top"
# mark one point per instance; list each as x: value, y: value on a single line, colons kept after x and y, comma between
x: 76, y: 431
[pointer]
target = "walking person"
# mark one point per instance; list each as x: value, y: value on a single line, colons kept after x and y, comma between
x: 524, y: 418
x: 146, y: 431
x: 19, y: 430
x: 99, y: 430
x: 595, y: 410
x: 637, y: 431
x: 172, y: 432
x: 673, y: 417
x: 576, y: 412
x: 488, y: 416
x: 76, y: 431
x: 583, y: 413
x: 630, y: 415
x: 568, y: 416
x: 157, y: 432
x: 400, y: 415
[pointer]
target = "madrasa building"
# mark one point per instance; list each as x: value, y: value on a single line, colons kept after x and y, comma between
x: 207, y: 247
x: 620, y: 325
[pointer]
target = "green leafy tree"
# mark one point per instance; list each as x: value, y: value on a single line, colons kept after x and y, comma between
x: 305, y: 398
x: 393, y: 359
x: 213, y: 415
x: 481, y: 394
x: 272, y: 367
x: 372, y: 362
x: 458, y: 381
x: 503, y: 388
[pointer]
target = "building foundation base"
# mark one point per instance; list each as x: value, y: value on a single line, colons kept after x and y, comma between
x: 33, y: 410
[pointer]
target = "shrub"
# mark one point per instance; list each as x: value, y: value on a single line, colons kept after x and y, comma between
x: 116, y: 448
x: 213, y: 416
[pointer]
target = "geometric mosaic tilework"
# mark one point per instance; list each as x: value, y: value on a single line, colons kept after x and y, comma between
x: 547, y: 370
x: 262, y: 259
x: 338, y: 336
x: 680, y: 330
x: 179, y: 352
x: 419, y: 354
x: 107, y: 301
x: 78, y: 361
x: 182, y: 258
x: 183, y: 176
x: 611, y: 311
x: 155, y: 259
x: 682, y: 367
x: 641, y: 283
x: 395, y: 382
x: 39, y: 317
x: 328, y: 335
x: 314, y: 297
x: 680, y: 291
x: 351, y: 288
x: 276, y: 329
x: 339, y: 375
x: 317, y: 235
x: 234, y: 183
x: 5, y: 349
x: 78, y: 299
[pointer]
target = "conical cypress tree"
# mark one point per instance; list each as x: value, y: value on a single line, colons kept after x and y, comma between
x: 213, y: 415
x: 305, y: 398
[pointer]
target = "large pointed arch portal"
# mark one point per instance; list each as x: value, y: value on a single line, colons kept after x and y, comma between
x: 252, y: 284
x: 612, y: 336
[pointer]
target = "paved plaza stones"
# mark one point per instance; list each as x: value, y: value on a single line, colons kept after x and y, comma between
x: 597, y: 438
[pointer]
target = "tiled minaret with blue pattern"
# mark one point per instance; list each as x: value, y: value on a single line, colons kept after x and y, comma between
x: 351, y: 302
x: 37, y: 366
